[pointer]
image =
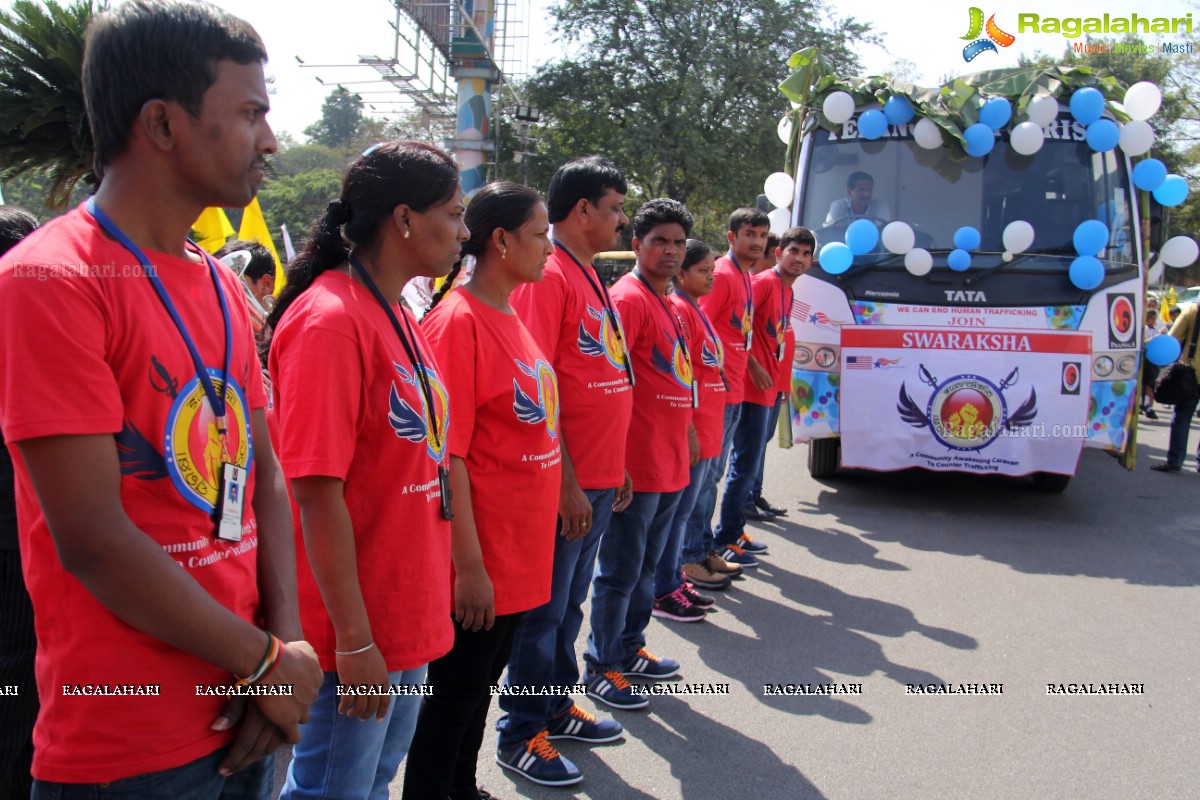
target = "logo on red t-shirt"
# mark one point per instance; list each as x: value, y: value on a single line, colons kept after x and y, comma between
x: 192, y: 446
x: 609, y: 342
x: 546, y: 407
x: 423, y: 427
x: 711, y: 353
x: 678, y: 367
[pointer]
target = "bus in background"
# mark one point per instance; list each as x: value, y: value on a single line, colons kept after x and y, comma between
x: 612, y: 264
x: 998, y: 364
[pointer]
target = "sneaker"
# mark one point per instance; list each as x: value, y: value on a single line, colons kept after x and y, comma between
x: 538, y: 761
x: 1165, y: 467
x: 762, y: 504
x: 1150, y: 414
x: 750, y: 546
x: 702, y: 575
x: 644, y: 664
x: 676, y: 606
x: 751, y: 511
x: 734, y: 554
x: 721, y: 566
x: 695, y: 598
x: 612, y: 689
x: 577, y: 724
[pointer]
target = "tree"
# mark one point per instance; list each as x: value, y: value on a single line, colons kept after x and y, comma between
x: 681, y: 93
x: 43, y: 126
x: 341, y: 119
x: 297, y: 200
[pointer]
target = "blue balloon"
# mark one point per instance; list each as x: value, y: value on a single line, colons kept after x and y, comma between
x: 862, y: 236
x: 996, y: 113
x: 1091, y: 236
x: 1163, y: 350
x: 967, y: 238
x: 898, y: 110
x: 1087, y: 272
x: 1102, y: 135
x: 980, y: 139
x: 836, y: 258
x: 1087, y: 105
x: 1149, y: 174
x: 959, y: 260
x: 1174, y: 190
x: 872, y: 124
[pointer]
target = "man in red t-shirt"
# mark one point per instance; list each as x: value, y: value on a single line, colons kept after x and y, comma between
x: 730, y: 307
x: 132, y: 393
x: 658, y: 453
x: 773, y: 303
x: 573, y: 321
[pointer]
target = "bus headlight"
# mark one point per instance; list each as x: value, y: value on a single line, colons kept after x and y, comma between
x: 1125, y: 365
x: 803, y: 355
x: 1102, y: 366
x: 826, y: 358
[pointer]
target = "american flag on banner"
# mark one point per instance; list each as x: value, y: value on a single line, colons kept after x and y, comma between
x: 801, y: 310
x: 859, y: 362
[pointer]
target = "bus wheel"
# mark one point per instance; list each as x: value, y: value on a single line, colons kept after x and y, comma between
x: 1051, y: 481
x: 823, y: 457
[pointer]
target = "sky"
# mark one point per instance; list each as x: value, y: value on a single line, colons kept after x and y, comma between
x: 928, y: 36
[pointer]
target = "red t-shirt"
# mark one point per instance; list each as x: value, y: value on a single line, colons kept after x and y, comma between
x: 708, y: 357
x: 506, y: 430
x: 772, y: 317
x: 567, y: 319
x: 89, y: 349
x: 730, y: 308
x: 656, y: 453
x: 350, y: 406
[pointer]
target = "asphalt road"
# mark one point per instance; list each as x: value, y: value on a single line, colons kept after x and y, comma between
x: 885, y: 580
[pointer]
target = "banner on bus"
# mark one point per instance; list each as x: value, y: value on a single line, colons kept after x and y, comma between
x: 1004, y: 401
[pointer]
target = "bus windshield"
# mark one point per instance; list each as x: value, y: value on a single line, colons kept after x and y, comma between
x: 893, y: 178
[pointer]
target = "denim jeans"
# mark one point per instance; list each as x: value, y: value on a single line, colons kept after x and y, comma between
x: 543, y: 650
x: 196, y: 780
x: 349, y: 758
x: 623, y: 598
x: 1181, y: 425
x: 698, y: 540
x: 748, y: 442
x: 666, y: 575
x: 772, y: 421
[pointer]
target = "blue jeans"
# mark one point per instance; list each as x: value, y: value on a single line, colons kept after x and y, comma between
x: 698, y: 540
x: 1181, y: 425
x: 624, y: 582
x: 772, y: 421
x: 196, y: 780
x: 543, y: 651
x: 349, y: 758
x: 748, y: 442
x: 666, y: 575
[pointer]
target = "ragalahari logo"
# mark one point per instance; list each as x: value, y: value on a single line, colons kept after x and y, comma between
x: 995, y: 36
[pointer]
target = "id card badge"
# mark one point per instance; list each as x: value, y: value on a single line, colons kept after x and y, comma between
x: 628, y: 362
x: 444, y: 486
x: 230, y: 503
x: 749, y: 339
x: 695, y: 393
x: 779, y: 353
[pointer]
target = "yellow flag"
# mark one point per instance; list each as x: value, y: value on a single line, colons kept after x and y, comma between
x: 254, y: 228
x: 212, y: 229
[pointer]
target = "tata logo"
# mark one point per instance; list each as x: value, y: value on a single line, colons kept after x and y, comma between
x: 965, y: 296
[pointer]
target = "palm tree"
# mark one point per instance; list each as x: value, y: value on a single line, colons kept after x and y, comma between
x: 43, y: 126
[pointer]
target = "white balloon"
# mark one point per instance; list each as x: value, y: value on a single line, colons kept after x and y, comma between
x: 1027, y: 138
x: 778, y: 187
x: 1142, y: 100
x: 1179, y: 251
x: 918, y: 261
x: 838, y: 107
x: 1042, y: 110
x: 927, y: 134
x: 1155, y: 275
x: 1006, y: 256
x: 1018, y: 236
x: 780, y: 219
x: 1136, y: 137
x: 898, y: 237
x: 784, y: 129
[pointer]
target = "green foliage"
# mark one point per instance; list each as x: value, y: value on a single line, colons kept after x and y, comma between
x: 679, y: 93
x: 341, y: 119
x: 297, y: 200
x: 42, y: 122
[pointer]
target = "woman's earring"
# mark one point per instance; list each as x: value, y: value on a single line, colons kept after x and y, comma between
x: 408, y: 233
x: 503, y: 253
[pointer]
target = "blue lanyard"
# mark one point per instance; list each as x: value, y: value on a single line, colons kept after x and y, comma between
x: 712, y: 335
x: 745, y: 283
x: 677, y: 325
x: 785, y: 306
x: 606, y: 301
x: 217, y: 401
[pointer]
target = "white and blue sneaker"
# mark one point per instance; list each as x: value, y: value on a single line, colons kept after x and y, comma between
x: 537, y: 760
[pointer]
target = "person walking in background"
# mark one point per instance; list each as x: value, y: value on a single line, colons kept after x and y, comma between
x: 1184, y: 330
x: 363, y: 414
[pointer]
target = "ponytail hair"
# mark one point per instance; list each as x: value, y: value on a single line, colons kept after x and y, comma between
x: 500, y: 205
x: 385, y: 176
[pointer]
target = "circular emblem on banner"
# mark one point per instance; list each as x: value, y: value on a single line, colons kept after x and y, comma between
x: 192, y: 444
x: 548, y: 396
x: 966, y: 412
x: 1121, y: 319
x: 1071, y: 377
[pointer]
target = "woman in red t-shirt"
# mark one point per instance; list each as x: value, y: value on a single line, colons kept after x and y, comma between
x: 503, y: 445
x: 363, y: 415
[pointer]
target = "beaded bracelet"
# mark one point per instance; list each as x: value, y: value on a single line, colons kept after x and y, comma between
x: 267, y: 664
